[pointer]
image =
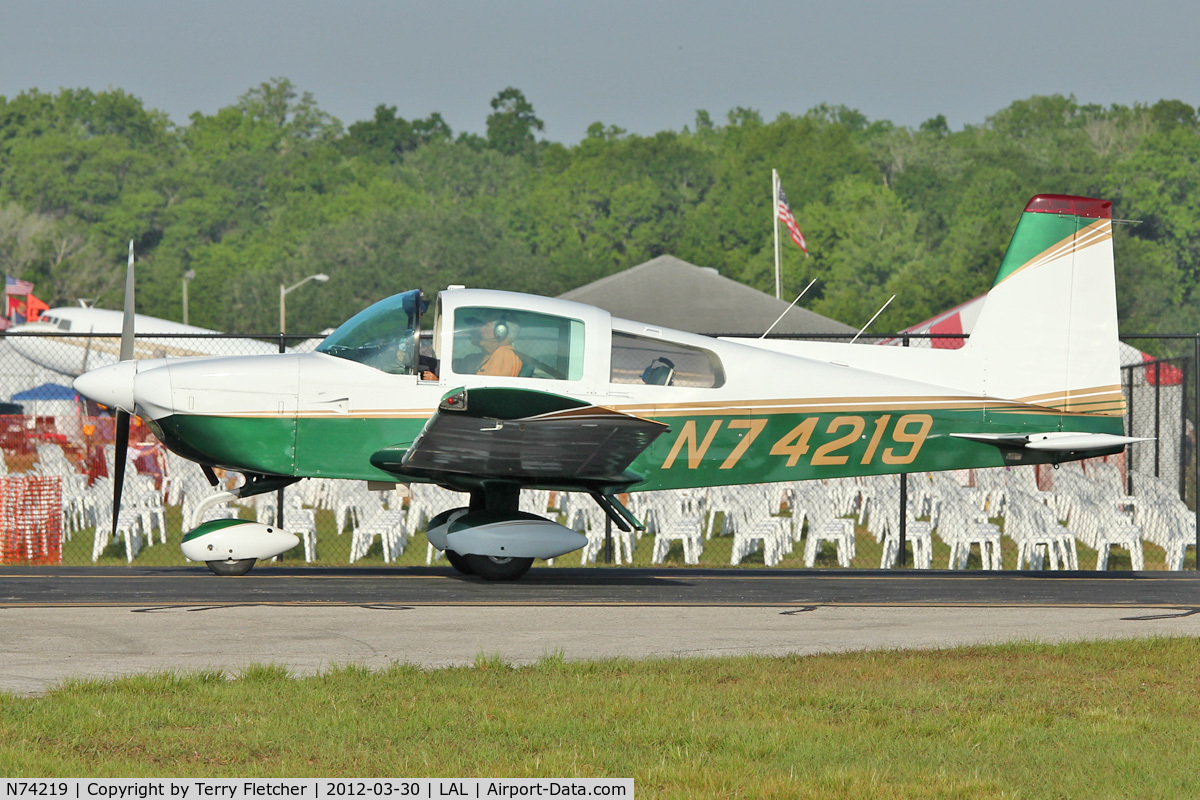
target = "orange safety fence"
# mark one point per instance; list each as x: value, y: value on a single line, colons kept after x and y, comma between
x: 31, y: 520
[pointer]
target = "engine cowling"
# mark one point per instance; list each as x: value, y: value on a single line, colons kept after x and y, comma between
x: 512, y: 534
x: 236, y: 539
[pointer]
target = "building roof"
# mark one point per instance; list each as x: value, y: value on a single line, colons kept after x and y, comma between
x: 670, y: 292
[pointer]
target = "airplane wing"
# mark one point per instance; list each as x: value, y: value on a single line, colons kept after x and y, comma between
x: 524, y: 435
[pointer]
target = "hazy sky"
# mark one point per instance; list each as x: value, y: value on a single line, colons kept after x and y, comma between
x: 644, y: 66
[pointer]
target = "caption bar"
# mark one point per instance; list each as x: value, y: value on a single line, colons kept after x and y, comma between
x: 311, y: 788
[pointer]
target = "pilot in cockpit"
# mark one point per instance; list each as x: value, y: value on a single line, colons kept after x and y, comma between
x: 490, y: 349
x: 496, y: 338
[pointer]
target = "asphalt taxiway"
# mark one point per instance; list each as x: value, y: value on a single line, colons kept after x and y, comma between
x: 63, y: 622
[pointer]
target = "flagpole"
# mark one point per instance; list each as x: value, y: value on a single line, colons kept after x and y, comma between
x: 775, y: 227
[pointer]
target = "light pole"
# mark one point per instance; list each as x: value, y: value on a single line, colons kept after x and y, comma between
x: 319, y: 277
x: 187, y: 278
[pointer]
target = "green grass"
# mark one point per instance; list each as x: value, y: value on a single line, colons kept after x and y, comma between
x: 1082, y: 720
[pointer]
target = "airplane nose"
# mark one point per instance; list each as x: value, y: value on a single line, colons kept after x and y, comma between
x: 111, y: 386
x: 152, y: 390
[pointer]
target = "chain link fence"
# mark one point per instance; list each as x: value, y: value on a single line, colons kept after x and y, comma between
x: 1135, y: 511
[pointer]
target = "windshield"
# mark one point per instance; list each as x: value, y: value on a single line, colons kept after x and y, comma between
x: 383, y: 336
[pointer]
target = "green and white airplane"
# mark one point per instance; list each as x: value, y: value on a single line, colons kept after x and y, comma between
x: 513, y: 391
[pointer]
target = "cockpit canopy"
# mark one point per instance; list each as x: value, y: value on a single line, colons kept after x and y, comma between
x: 506, y: 335
x: 385, y: 335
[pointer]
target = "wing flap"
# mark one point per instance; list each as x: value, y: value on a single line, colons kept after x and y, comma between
x: 485, y: 434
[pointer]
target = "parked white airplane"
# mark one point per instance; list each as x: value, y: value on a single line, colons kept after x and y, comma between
x: 73, y: 340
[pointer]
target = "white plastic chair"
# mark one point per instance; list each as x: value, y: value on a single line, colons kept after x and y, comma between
x: 884, y: 522
x: 388, y: 526
x: 687, y: 530
x: 826, y: 525
x: 839, y: 531
x: 961, y: 527
x: 128, y: 529
x: 303, y: 522
x: 755, y: 529
x: 1102, y: 527
x: 1033, y: 526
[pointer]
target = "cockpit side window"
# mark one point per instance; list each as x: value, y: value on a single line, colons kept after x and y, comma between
x: 514, y: 343
x: 641, y: 360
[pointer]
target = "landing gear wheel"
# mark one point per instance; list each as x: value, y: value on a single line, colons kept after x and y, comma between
x: 459, y: 562
x: 498, y: 568
x: 223, y: 568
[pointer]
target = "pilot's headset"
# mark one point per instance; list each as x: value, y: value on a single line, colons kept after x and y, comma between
x: 505, y: 328
x: 500, y: 329
x: 660, y: 372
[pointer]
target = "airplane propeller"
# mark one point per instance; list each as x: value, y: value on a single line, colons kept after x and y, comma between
x: 122, y: 435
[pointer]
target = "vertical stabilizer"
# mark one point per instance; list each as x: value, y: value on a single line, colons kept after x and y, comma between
x: 1047, y: 333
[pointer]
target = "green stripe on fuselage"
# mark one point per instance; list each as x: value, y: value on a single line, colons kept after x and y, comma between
x: 699, y: 450
x: 791, y: 447
x: 307, y: 447
x: 250, y: 444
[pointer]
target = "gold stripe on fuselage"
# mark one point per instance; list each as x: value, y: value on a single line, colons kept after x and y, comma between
x: 1106, y: 403
x: 1041, y: 399
x: 819, y: 405
x: 1106, y: 400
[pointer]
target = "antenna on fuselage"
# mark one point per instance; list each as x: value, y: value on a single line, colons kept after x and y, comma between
x: 789, y: 308
x: 872, y: 319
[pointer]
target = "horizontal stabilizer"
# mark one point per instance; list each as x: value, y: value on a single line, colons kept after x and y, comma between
x: 1053, y: 441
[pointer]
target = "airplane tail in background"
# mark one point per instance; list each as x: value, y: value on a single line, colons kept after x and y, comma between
x: 1047, y: 333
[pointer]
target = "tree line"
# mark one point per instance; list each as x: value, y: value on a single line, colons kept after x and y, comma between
x: 271, y: 189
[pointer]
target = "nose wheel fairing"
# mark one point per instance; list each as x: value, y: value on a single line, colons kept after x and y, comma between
x: 232, y: 540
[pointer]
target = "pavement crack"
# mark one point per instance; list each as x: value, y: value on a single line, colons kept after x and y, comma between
x: 801, y: 610
x: 1183, y: 612
x: 166, y: 609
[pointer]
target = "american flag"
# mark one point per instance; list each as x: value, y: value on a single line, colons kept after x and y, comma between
x: 785, y: 214
x: 16, y: 285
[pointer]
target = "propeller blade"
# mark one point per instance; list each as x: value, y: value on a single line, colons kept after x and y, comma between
x: 122, y: 450
x: 127, y: 322
x: 122, y: 442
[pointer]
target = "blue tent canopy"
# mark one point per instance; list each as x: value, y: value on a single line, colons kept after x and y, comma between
x: 47, y: 391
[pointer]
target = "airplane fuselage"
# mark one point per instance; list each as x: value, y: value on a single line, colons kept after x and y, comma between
x: 752, y: 414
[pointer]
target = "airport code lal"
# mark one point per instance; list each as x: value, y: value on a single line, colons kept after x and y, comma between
x: 313, y: 789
